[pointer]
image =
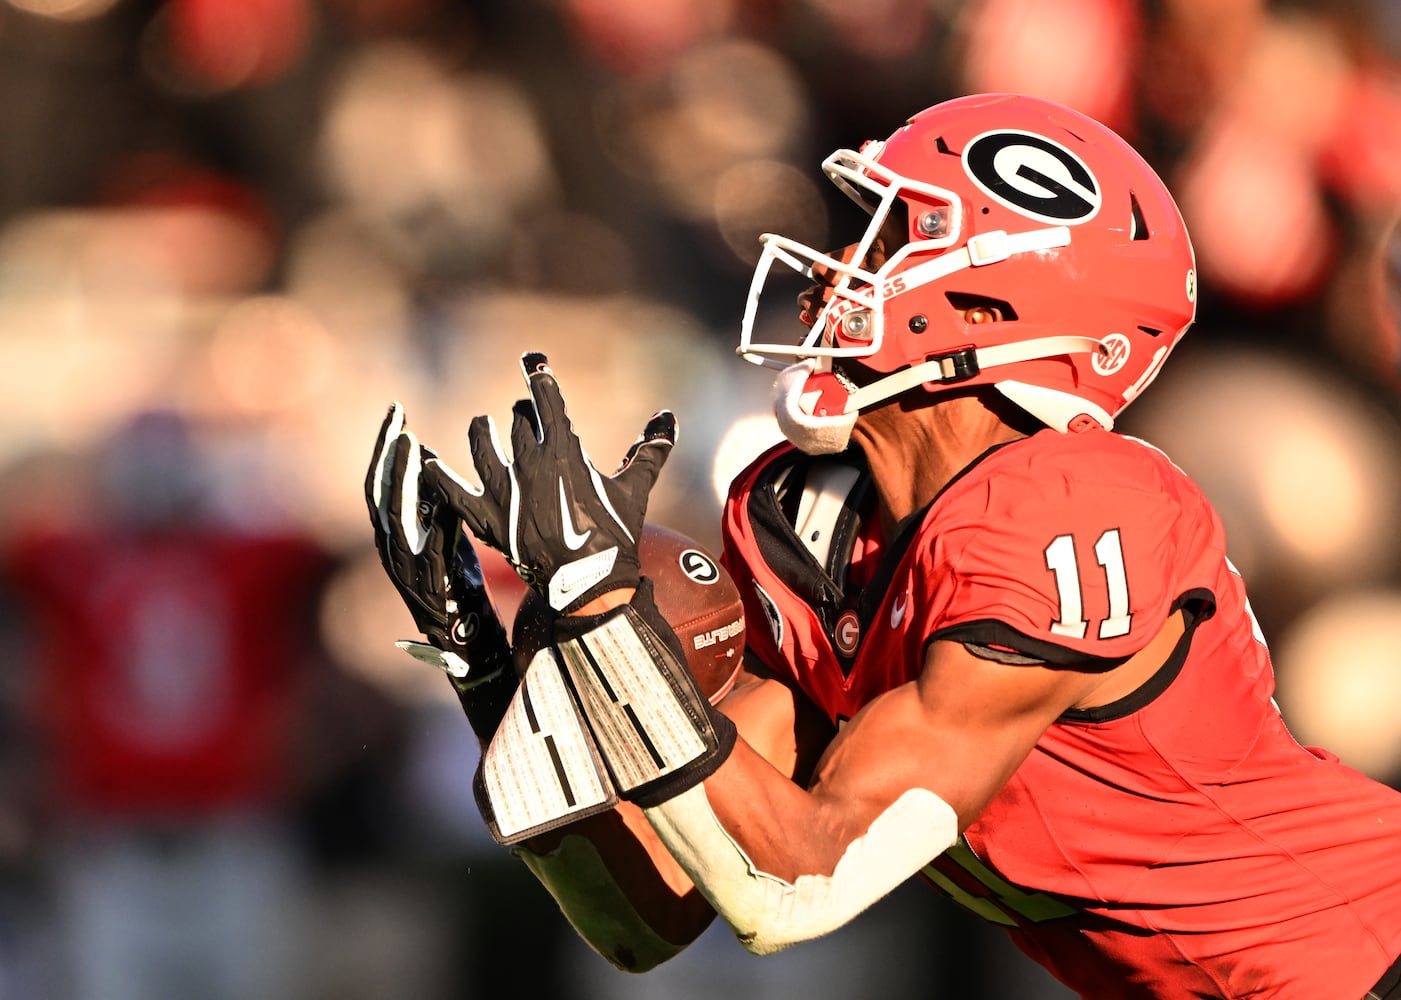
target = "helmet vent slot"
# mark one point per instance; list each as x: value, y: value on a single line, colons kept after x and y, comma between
x: 1139, y: 229
x: 943, y: 147
x: 1150, y: 331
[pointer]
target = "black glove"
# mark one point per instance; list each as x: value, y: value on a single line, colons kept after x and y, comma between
x: 570, y: 532
x: 432, y: 564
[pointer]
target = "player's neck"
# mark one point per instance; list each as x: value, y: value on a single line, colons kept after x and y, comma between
x: 914, y: 452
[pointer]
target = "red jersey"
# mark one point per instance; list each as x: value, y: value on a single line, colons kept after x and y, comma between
x: 1176, y: 843
x: 167, y: 664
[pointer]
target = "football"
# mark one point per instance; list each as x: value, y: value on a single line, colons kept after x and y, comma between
x: 693, y: 593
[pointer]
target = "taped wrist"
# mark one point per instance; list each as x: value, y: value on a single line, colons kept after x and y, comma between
x: 656, y: 733
x: 485, y: 704
x: 484, y: 701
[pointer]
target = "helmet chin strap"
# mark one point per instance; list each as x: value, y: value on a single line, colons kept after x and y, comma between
x: 814, y: 429
x: 959, y: 366
x: 816, y: 411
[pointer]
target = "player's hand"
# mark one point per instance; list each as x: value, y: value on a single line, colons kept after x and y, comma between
x: 431, y: 563
x: 570, y: 532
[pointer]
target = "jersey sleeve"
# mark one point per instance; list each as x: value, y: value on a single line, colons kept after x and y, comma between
x: 1065, y: 553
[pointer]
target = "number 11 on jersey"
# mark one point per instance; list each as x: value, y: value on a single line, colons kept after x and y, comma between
x: 1109, y: 553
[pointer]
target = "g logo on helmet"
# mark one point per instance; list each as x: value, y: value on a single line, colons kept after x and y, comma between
x: 1033, y: 176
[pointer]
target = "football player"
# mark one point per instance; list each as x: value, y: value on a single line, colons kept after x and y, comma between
x: 991, y: 641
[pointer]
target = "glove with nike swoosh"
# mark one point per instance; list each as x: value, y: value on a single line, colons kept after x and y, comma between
x: 435, y: 569
x: 573, y: 535
x: 570, y: 532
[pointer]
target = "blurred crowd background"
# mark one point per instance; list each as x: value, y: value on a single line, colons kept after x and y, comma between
x: 232, y: 231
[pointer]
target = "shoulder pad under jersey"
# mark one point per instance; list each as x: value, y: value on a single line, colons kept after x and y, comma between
x: 790, y: 526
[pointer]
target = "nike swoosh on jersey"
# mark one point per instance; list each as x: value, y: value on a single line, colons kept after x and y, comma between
x: 897, y: 610
x: 573, y: 538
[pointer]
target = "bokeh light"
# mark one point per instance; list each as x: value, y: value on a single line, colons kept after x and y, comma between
x: 1260, y: 228
x: 1302, y: 468
x: 64, y: 10
x: 436, y: 162
x: 766, y: 196
x: 1340, y: 678
x: 718, y: 106
x: 269, y: 353
x: 1095, y: 42
x: 644, y: 38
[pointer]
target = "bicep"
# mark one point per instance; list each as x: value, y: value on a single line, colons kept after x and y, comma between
x: 781, y: 726
x: 960, y: 730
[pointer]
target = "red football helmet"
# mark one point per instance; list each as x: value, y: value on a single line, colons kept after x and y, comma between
x: 1023, y: 211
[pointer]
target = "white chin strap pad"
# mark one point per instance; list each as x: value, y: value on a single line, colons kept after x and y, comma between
x: 827, y: 435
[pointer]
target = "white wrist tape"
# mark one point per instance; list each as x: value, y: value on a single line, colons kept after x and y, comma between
x: 596, y: 906
x: 541, y: 769
x: 768, y: 913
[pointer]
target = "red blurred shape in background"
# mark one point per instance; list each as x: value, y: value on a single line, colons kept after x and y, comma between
x: 225, y: 44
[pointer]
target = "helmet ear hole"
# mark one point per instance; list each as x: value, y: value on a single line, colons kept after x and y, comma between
x: 966, y: 302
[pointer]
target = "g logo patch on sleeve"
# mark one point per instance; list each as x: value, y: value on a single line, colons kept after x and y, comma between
x: 1033, y: 176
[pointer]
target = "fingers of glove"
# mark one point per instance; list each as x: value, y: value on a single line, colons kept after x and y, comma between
x: 440, y: 531
x: 444, y: 526
x: 552, y: 416
x: 441, y: 514
x: 377, y: 475
x: 489, y: 460
x: 478, y: 511
x: 402, y: 495
x: 644, y: 460
x: 660, y: 429
x: 525, y: 432
x: 393, y: 543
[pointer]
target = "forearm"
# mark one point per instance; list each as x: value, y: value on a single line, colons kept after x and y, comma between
x: 768, y: 913
x: 619, y: 887
x: 611, y: 876
x: 783, y: 864
x: 784, y: 829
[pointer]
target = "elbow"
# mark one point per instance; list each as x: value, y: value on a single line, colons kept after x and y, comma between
x: 759, y: 943
x: 636, y: 949
x: 775, y: 931
x: 625, y: 958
